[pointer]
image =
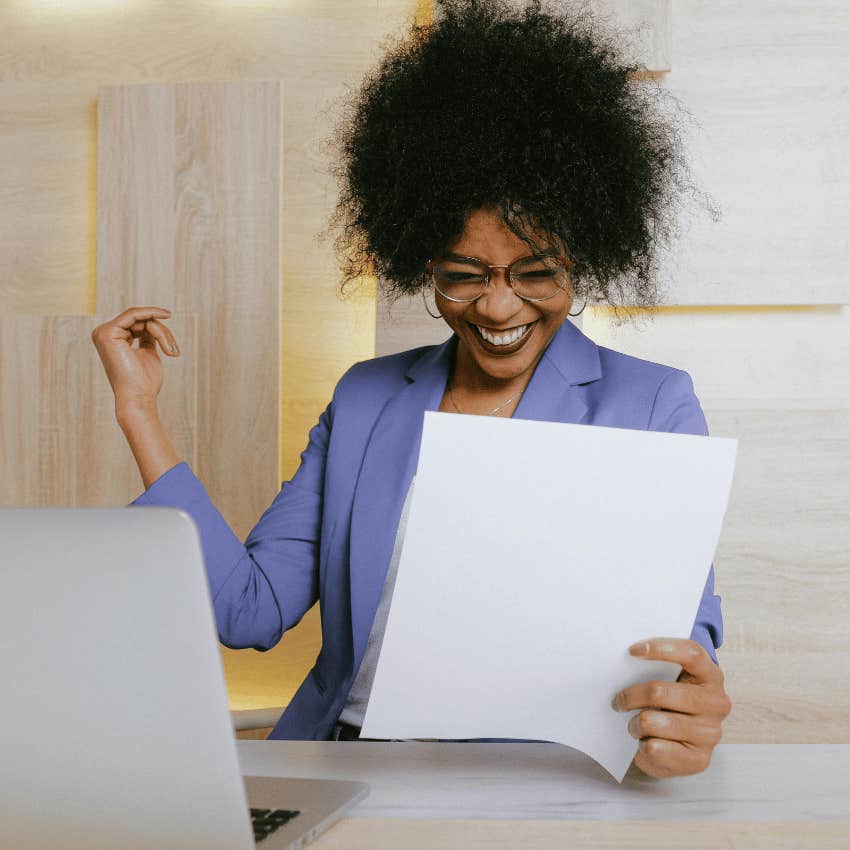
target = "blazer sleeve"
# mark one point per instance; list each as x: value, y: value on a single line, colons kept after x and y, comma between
x: 266, y: 585
x: 676, y: 409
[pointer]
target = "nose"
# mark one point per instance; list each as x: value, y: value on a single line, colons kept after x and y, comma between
x: 499, y: 302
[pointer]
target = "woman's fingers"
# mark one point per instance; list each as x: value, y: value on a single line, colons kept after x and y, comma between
x: 133, y: 316
x: 135, y: 322
x: 670, y: 696
x: 690, y: 654
x: 139, y: 314
x: 684, y: 697
x: 144, y: 323
x: 151, y: 330
x: 698, y: 730
x: 661, y: 758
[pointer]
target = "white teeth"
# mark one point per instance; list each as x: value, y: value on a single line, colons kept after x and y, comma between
x: 507, y: 339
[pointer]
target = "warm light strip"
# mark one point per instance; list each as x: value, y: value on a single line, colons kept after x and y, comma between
x: 717, y: 308
x: 424, y: 12
x: 73, y: 6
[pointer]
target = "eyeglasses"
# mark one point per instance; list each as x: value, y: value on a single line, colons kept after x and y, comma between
x: 533, y: 278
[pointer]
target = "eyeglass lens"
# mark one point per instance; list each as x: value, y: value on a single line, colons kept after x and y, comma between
x: 531, y: 277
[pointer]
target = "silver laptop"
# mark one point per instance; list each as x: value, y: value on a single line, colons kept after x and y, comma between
x: 114, y: 727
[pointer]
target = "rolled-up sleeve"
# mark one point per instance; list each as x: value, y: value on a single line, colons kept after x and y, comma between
x: 677, y: 410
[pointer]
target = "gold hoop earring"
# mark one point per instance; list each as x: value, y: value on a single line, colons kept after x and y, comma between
x: 425, y: 302
x: 582, y: 308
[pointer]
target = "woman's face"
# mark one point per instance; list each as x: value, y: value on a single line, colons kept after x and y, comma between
x: 499, y: 311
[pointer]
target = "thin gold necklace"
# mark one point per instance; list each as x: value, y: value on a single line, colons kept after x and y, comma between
x: 494, y: 410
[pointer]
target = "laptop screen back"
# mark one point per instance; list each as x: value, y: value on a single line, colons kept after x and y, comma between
x: 115, y: 731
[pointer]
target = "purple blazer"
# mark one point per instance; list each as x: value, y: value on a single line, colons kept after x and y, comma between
x: 329, y: 533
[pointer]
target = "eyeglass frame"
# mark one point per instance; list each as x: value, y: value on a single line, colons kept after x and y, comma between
x: 567, y: 264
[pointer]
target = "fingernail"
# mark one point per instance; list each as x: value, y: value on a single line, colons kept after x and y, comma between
x: 639, y: 648
x: 174, y: 348
x: 615, y: 703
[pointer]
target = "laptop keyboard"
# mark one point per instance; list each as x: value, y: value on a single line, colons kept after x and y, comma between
x: 266, y: 821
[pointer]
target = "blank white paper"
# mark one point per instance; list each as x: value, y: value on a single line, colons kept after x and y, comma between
x: 535, y: 554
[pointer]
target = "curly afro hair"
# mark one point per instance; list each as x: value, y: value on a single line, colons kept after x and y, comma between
x: 534, y: 113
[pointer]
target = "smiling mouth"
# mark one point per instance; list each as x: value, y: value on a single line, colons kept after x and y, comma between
x: 506, y: 342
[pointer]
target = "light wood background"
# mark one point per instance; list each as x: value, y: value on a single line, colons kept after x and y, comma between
x: 765, y: 83
x: 764, y: 79
x: 188, y: 215
x: 55, y: 63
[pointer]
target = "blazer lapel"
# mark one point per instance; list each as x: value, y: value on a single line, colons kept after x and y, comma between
x: 555, y: 392
x: 389, y: 465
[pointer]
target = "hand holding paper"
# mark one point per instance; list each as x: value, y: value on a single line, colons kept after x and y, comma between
x: 535, y: 554
x: 681, y: 722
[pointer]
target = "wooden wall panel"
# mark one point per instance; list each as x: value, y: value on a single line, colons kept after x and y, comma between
x: 791, y: 357
x: 784, y: 574
x: 59, y: 441
x: 189, y: 219
x: 765, y: 83
x: 48, y: 165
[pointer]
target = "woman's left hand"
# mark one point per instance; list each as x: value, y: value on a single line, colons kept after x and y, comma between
x: 680, y: 723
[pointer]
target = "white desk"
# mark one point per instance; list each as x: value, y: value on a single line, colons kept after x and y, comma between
x: 492, y: 795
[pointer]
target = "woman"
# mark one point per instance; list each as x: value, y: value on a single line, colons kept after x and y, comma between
x: 501, y: 163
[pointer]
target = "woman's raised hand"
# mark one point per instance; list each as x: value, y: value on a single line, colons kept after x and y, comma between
x: 135, y: 373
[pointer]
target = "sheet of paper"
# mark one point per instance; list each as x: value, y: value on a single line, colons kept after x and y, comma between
x: 535, y: 554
